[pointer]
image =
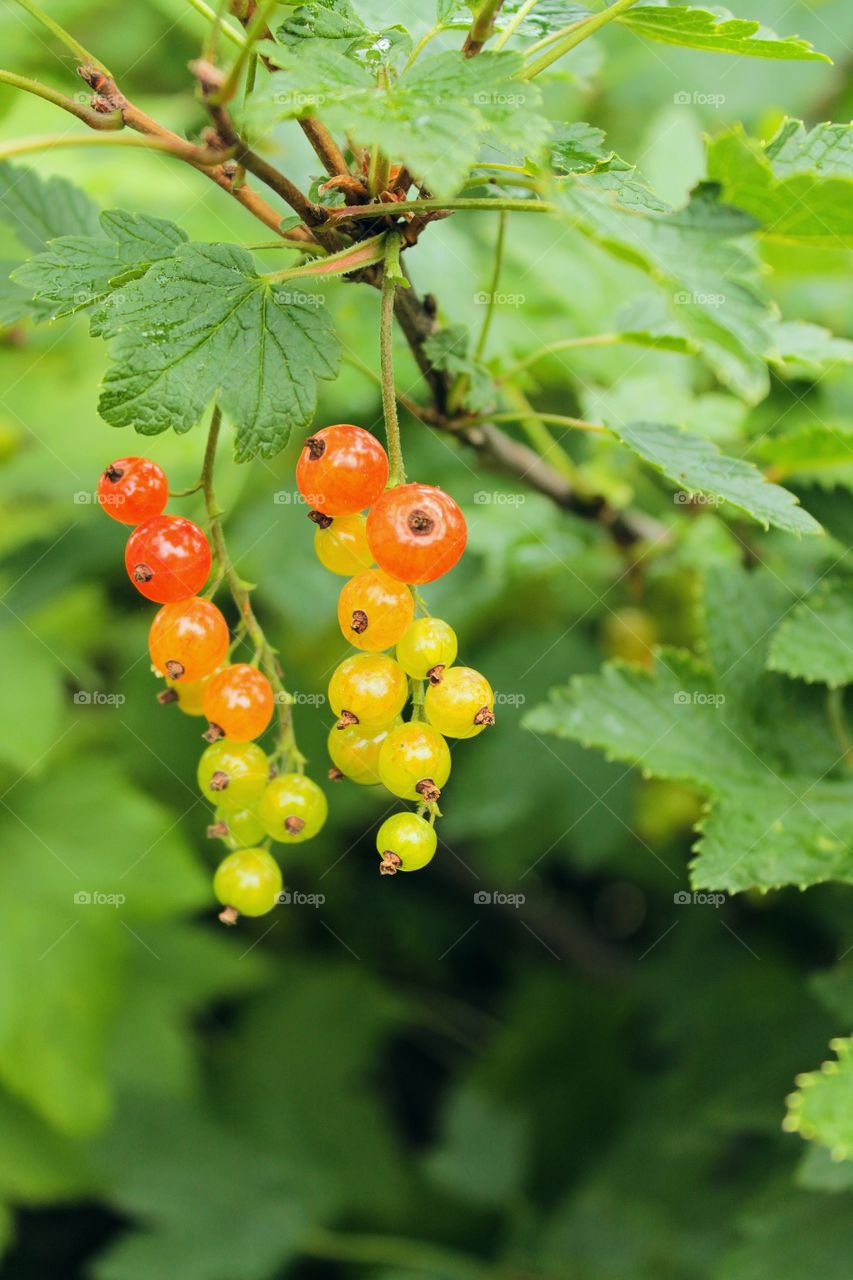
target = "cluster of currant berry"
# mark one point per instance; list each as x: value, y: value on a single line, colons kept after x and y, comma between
x: 168, y: 559
x: 412, y: 534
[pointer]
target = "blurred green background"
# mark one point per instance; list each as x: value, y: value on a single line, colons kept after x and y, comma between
x: 401, y: 1081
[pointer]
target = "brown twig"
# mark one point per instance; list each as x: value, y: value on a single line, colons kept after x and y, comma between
x: 109, y: 98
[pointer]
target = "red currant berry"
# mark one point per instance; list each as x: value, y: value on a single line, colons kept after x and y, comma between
x: 132, y: 490
x: 247, y: 883
x: 167, y: 558
x: 416, y: 532
x: 238, y: 703
x: 188, y: 640
x: 341, y: 470
x: 374, y: 610
x: 414, y: 762
x: 405, y: 843
x: 369, y: 689
x: 354, y: 751
x: 461, y: 703
x: 292, y: 808
x: 341, y: 543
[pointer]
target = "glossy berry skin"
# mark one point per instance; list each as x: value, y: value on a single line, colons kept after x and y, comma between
x: 428, y: 646
x: 414, y: 762
x: 132, y: 490
x: 292, y: 808
x: 341, y: 469
x: 167, y: 558
x: 416, y: 532
x: 461, y: 705
x: 355, y: 751
x: 239, y: 701
x: 244, y: 826
x: 232, y: 775
x: 249, y: 881
x: 189, y: 694
x: 405, y: 843
x: 341, y: 546
x: 188, y: 639
x: 374, y: 610
x: 369, y: 689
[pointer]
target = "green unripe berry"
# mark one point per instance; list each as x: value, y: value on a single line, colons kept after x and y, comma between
x: 405, y: 843
x: 247, y: 883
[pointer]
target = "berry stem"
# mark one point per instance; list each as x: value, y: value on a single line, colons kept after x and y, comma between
x: 493, y: 288
x: 240, y: 594
x: 574, y: 34
x: 390, y: 277
x: 838, y: 722
x: 417, y: 688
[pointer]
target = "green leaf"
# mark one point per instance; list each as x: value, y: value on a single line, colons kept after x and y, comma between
x: 447, y: 349
x: 579, y: 148
x: 752, y: 741
x: 72, y: 949
x: 202, y: 326
x: 433, y: 118
x: 803, y: 350
x: 799, y: 186
x: 40, y: 209
x: 78, y: 271
x: 821, y: 1109
x: 697, y: 255
x: 717, y: 31
x: 337, y: 21
x: 820, y: 452
x: 481, y: 1154
x: 813, y: 642
x: 698, y: 466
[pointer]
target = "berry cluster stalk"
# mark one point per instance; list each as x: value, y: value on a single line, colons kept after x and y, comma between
x: 266, y: 654
x: 390, y: 279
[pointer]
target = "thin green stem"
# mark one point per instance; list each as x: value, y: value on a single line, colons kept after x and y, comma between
x: 564, y: 344
x: 533, y: 426
x: 552, y: 38
x: 493, y: 288
x: 235, y: 36
x: 511, y: 180
x: 417, y: 691
x: 211, y: 44
x: 254, y: 31
x: 94, y: 119
x: 574, y: 37
x: 497, y: 203
x: 504, y: 168
x: 240, y: 593
x: 423, y: 42
x: 80, y: 52
x: 557, y: 419
x: 364, y: 254
x: 390, y: 276
x: 411, y: 406
x: 838, y: 722
x: 149, y: 142
x: 514, y: 23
